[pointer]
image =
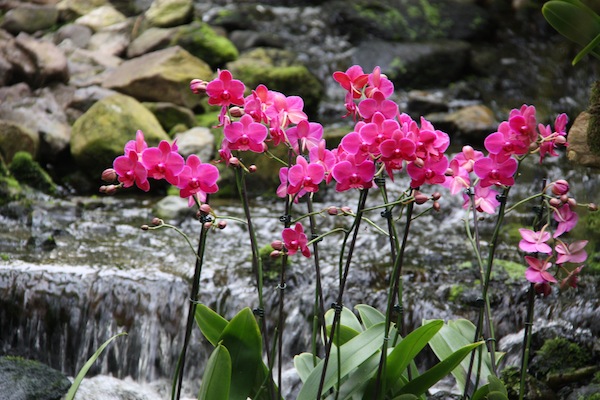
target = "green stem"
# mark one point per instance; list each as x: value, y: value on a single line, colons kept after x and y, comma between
x: 527, y: 340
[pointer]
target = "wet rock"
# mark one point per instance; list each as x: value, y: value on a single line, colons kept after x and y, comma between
x: 172, y: 208
x: 88, y: 68
x: 168, y: 13
x: 163, y: 75
x: 246, y: 39
x: 203, y: 42
x: 471, y: 123
x: 29, y: 379
x: 78, y: 34
x: 27, y: 171
x: 199, y: 141
x: 112, y: 40
x: 578, y: 150
x: 100, y: 134
x: 38, y: 61
x: 29, y: 18
x: 421, y: 102
x: 110, y: 387
x: 150, y: 40
x: 280, y: 71
x: 84, y: 98
x: 170, y: 115
x: 416, y: 65
x: 101, y: 17
x: 72, y: 9
x: 15, y: 137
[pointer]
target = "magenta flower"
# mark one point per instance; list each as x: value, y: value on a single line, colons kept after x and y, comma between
x: 353, y: 80
x: 566, y: 218
x: 246, y: 134
x: 396, y: 150
x: 432, y: 172
x: 504, y: 143
x: 379, y: 83
x: 534, y: 242
x: 130, y: 171
x: 550, y: 139
x: 163, y: 162
x: 225, y: 90
x: 459, y: 180
x: 523, y: 123
x: 286, y: 110
x: 138, y: 145
x: 467, y: 157
x: 320, y: 155
x: 352, y: 173
x: 573, y: 252
x: 305, y: 176
x: 295, y: 239
x: 256, y: 103
x: 197, y: 179
x: 493, y: 172
x: 484, y: 198
x: 537, y: 272
x: 378, y: 103
x: 307, y: 134
x: 572, y: 278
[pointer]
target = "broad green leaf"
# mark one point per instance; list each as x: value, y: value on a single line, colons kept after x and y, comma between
x: 347, y: 318
x: 401, y: 356
x: 260, y: 390
x: 86, y: 367
x: 573, y: 20
x: 422, y: 383
x: 352, y: 354
x: 587, y: 49
x: 217, y: 376
x: 242, y: 339
x: 481, y: 393
x: 406, y: 397
x: 344, y: 335
x: 210, y: 323
x: 497, y: 386
x: 369, y: 316
x: 359, y: 379
x: 304, y: 365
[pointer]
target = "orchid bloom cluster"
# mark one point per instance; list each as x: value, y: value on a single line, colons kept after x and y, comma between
x: 140, y: 162
x: 383, y: 139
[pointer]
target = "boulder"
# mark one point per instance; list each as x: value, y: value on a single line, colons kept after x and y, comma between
x: 29, y: 18
x: 79, y: 35
x: 471, y: 123
x: 168, y: 13
x: 112, y: 40
x: 150, y: 40
x: 38, y: 61
x: 15, y: 137
x: 578, y: 150
x: 163, y: 75
x: 203, y: 42
x: 29, y: 379
x: 280, y: 71
x: 88, y: 68
x: 199, y: 141
x: 27, y: 171
x: 169, y: 115
x: 71, y: 9
x: 101, y: 17
x: 100, y: 134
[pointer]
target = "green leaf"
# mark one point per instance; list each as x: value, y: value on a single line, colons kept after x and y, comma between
x: 401, y: 356
x: 210, y: 323
x: 347, y: 318
x: 406, y: 397
x: 86, y: 367
x: 352, y: 354
x: 343, y: 335
x: 242, y: 339
x: 573, y: 20
x: 360, y: 379
x: 496, y: 385
x: 304, y: 365
x: 587, y: 49
x: 217, y: 376
x: 369, y: 316
x: 422, y: 383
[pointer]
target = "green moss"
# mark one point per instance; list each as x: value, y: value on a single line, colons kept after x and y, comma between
x: 271, y: 266
x: 4, y: 257
x: 593, y: 133
x: 559, y: 355
x: 455, y: 292
x: 514, y: 270
x: 27, y: 171
x: 203, y: 42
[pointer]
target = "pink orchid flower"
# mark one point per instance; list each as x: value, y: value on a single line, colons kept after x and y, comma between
x: 353, y: 80
x: 225, y: 90
x: 396, y: 150
x: 534, y: 242
x: 572, y: 278
x: 320, y: 155
x: 459, y: 180
x: 573, y: 252
x: 523, y: 123
x: 537, y: 272
x: 432, y: 172
x: 504, y: 143
x: 353, y: 173
x: 295, y: 240
x: 130, y: 171
x: 286, y: 109
x: 246, y: 134
x: 493, y: 172
x: 467, y: 157
x: 307, y: 134
x: 566, y: 218
x: 378, y: 82
x: 163, y: 162
x: 485, y: 199
x: 138, y: 145
x: 305, y: 176
x: 549, y: 139
x: 197, y: 179
x: 378, y: 103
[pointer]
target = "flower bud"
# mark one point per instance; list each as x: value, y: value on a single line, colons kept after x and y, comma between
x: 110, y: 189
x: 252, y: 168
x: 144, y: 227
x: 436, y: 206
x: 236, y: 112
x: 332, y: 210
x: 560, y: 187
x: 533, y: 146
x: 277, y: 244
x: 205, y: 208
x: 157, y: 221
x: 449, y: 172
x: 592, y: 207
x: 572, y: 203
x: 109, y: 175
x: 556, y: 203
x: 419, y: 163
x: 564, y: 198
x: 198, y: 86
x: 436, y: 196
x: 234, y: 162
x: 561, y: 140
x: 420, y: 198
x: 207, y: 225
x: 221, y: 224
x: 275, y: 254
x: 543, y: 288
x: 102, y: 189
x: 346, y: 210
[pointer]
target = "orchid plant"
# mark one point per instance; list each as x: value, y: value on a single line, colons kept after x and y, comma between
x: 372, y: 355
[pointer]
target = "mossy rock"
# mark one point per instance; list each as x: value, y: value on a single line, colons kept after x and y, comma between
x: 593, y: 133
x: 205, y: 43
x: 99, y: 135
x: 170, y: 115
x: 559, y: 355
x: 29, y: 379
x: 27, y: 171
x: 9, y: 186
x: 279, y: 71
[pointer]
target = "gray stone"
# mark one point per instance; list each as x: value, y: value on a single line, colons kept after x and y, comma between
x: 100, y: 134
x: 246, y: 39
x: 15, y: 137
x: 29, y: 18
x: 101, y: 17
x: 48, y: 61
x: 163, y: 75
x: 78, y: 34
x: 150, y: 40
x: 168, y: 13
x: 88, y: 68
x: 112, y: 40
x: 578, y: 150
x: 72, y: 9
x: 473, y: 122
x: 169, y: 115
x: 199, y: 141
x: 86, y: 97
x: 29, y: 379
x: 171, y: 208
